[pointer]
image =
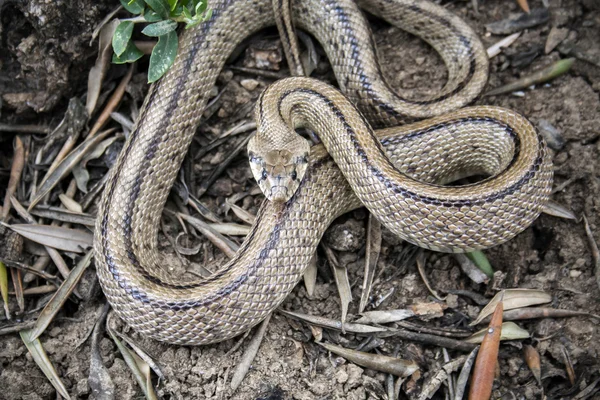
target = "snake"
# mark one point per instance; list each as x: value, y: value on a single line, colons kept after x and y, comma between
x: 399, y: 169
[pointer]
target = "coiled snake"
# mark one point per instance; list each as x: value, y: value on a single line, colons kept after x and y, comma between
x: 284, y: 237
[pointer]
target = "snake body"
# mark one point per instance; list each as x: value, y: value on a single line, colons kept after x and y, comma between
x: 284, y: 236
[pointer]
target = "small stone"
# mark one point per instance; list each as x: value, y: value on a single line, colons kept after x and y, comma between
x: 221, y: 187
x: 575, y: 273
x: 349, y: 236
x: 249, y: 84
x: 419, y: 60
x: 341, y: 376
x: 551, y: 134
x: 555, y: 37
x: 54, y: 332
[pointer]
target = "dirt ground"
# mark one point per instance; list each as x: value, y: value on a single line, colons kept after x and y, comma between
x: 553, y: 254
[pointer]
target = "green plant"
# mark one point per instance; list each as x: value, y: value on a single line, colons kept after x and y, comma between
x: 164, y: 17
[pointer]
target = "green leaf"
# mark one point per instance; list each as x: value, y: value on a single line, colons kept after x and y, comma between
x: 163, y: 56
x: 200, y: 7
x: 160, y: 28
x: 187, y: 13
x: 481, y: 262
x: 4, y: 286
x: 121, y: 37
x: 172, y: 4
x: 131, y: 54
x: 161, y: 7
x: 151, y: 16
x: 133, y: 6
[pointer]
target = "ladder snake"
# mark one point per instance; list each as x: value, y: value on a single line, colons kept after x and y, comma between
x: 284, y: 237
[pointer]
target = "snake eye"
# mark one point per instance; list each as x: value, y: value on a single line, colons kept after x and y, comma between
x: 294, y: 176
x: 264, y: 175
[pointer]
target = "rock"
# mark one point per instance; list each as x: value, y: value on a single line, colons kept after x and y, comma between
x: 349, y: 236
x: 555, y: 37
x: 249, y: 84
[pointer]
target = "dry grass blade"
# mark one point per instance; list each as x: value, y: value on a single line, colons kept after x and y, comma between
x: 384, y: 316
x: 53, y: 253
x: 57, y: 237
x: 594, y: 247
x: 569, y: 366
x: 433, y: 384
x: 143, y: 355
x: 112, y: 103
x: 245, y: 363
x: 465, y: 372
x: 553, y: 71
x: 496, y: 48
x: 66, y: 166
x: 41, y: 359
x: 514, y: 298
x: 202, y: 209
x: 15, y: 328
x: 524, y: 5
x: 340, y: 275
x: 510, y: 331
x: 390, y: 365
x: 542, y: 312
x: 241, y: 213
x: 485, y: 364
x: 97, y: 72
x: 138, y: 367
x: 37, y: 290
x: 99, y: 379
x: 4, y: 289
x: 424, y: 278
x: 27, y: 268
x: 371, y: 258
x: 18, y: 285
x: 334, y: 324
x: 225, y: 245
x: 557, y: 210
x: 15, y: 175
x: 231, y: 229
x: 70, y: 204
x: 60, y: 297
x: 59, y: 214
x: 532, y: 358
x: 587, y: 392
x: 310, y: 276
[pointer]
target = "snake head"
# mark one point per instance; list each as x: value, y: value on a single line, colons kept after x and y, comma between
x: 278, y: 172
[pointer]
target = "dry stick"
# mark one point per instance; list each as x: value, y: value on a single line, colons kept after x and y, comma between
x: 24, y: 128
x: 449, y: 332
x: 594, y: 247
x: 15, y: 175
x: 541, y: 312
x: 431, y: 340
x: 260, y: 72
x: 113, y: 102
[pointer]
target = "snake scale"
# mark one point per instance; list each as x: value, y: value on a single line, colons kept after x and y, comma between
x: 285, y: 235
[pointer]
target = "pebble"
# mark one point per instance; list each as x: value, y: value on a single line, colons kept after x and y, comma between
x: 349, y: 236
x: 341, y: 376
x: 249, y: 84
